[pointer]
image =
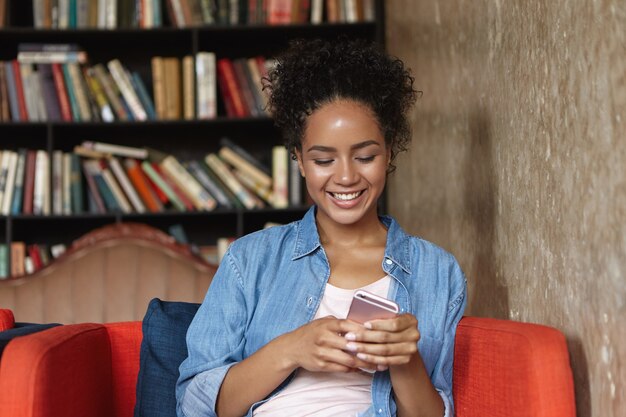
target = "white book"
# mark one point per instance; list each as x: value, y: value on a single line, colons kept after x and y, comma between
x: 31, y: 107
x: 280, y: 189
x: 126, y: 88
x: 119, y: 150
x: 351, y: 11
x: 57, y: 250
x: 128, y: 188
x: 222, y: 171
x: 67, y: 183
x: 119, y: 196
x: 38, y: 14
x: 230, y: 156
x: 147, y: 14
x: 102, y: 14
x: 111, y: 17
x: 50, y: 57
x: 64, y: 14
x: 37, y: 91
x: 57, y: 182
x: 188, y: 184
x: 295, y: 184
x: 206, y: 93
x: 29, y: 267
x: 10, y: 184
x: 41, y: 188
x: 317, y: 8
x: 4, y: 169
x: 179, y: 15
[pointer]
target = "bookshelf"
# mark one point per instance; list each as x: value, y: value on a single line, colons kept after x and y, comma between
x: 185, y: 139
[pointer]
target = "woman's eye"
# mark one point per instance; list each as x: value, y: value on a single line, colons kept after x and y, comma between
x: 366, y: 158
x: 322, y: 162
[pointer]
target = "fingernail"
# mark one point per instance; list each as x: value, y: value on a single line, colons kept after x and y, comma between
x: 350, y: 336
x: 382, y: 368
x: 351, y: 347
x: 361, y: 356
x: 367, y: 325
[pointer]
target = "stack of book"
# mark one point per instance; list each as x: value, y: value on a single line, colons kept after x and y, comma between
x: 26, y: 258
x: 185, y: 13
x: 103, y: 178
x: 100, y: 14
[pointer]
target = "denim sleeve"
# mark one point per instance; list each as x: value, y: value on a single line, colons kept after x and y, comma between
x: 442, y: 374
x: 215, y: 341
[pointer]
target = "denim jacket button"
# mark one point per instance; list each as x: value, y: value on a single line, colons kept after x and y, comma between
x: 388, y: 261
x: 380, y: 410
x: 309, y: 301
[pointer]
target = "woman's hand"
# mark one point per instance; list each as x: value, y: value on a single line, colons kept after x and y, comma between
x: 320, y: 346
x: 384, y: 343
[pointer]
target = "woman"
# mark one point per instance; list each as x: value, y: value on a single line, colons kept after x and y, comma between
x: 271, y: 337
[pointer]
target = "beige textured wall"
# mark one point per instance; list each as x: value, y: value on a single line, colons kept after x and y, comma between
x: 518, y: 166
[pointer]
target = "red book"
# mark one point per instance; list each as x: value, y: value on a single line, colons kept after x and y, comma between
x: 230, y: 89
x: 279, y: 12
x: 141, y: 184
x: 29, y: 182
x: 35, y: 256
x: 59, y: 84
x: 157, y: 191
x: 19, y: 86
x: 186, y: 201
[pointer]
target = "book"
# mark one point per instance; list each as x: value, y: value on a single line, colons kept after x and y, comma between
x: 208, y: 183
x: 120, y: 76
x: 158, y: 86
x: 94, y: 170
x: 172, y: 83
x: 126, y: 185
x: 18, y: 253
x: 247, y: 156
x: 41, y: 191
x: 182, y: 196
x: 58, y: 250
x: 76, y: 184
x: 231, y: 95
x: 61, y: 89
x: 119, y: 150
x: 5, y: 111
x: 111, y: 91
x: 19, y: 86
x: 243, y: 77
x: 263, y: 192
x: 4, y: 261
x: 57, y: 182
x: 50, y: 97
x: 280, y: 189
x: 222, y: 171
x: 97, y: 92
x: 144, y: 97
x: 71, y: 94
x: 295, y: 184
x: 189, y: 88
x: 96, y: 197
x: 79, y: 88
x: 162, y: 185
x: 12, y: 93
x: 143, y: 188
x: 18, y: 191
x: 188, y: 184
x: 66, y: 183
x: 29, y: 181
x: 234, y: 159
x: 206, y: 95
x: 116, y: 191
x: 9, y: 187
x: 217, y: 181
x: 35, y: 257
x: 4, y: 169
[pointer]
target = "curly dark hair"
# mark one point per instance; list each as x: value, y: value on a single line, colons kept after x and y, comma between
x: 311, y: 73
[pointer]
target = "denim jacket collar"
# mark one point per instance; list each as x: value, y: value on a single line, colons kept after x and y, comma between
x: 397, y: 248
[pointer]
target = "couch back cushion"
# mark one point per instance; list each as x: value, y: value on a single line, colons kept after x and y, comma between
x: 163, y: 348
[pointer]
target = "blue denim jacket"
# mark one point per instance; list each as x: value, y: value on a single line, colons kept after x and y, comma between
x: 271, y: 282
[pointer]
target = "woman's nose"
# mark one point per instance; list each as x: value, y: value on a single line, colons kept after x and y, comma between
x: 347, y: 173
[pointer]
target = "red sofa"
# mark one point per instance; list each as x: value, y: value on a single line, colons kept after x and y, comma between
x: 502, y: 368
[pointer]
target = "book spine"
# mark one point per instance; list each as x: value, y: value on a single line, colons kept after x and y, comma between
x: 9, y: 187
x: 57, y: 182
x: 143, y: 95
x: 231, y: 182
x: 158, y: 86
x: 106, y: 113
x: 29, y: 181
x: 12, y: 91
x: 5, y: 112
x: 189, y: 111
x: 122, y: 178
x: 235, y: 160
x: 71, y: 94
x: 50, y: 97
x: 80, y: 91
x: 187, y: 202
x: 140, y: 182
x: 51, y: 57
x: 18, y: 253
x: 188, y: 184
x: 19, y: 86
x: 119, y: 150
x: 201, y: 176
x: 42, y: 165
x: 163, y: 186
x: 172, y: 84
x: 76, y: 185
x: 245, y: 88
x: 111, y: 92
x: 206, y: 90
x: 59, y: 83
x: 94, y: 189
x: 66, y: 175
x: 229, y: 87
x: 123, y: 83
x: 118, y: 195
x: 18, y: 192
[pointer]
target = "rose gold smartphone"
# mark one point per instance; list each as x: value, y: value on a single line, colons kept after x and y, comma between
x: 367, y: 306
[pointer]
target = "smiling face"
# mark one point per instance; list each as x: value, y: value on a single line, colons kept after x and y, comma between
x: 344, y: 159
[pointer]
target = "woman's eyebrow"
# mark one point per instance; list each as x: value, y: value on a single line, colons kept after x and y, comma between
x: 359, y: 145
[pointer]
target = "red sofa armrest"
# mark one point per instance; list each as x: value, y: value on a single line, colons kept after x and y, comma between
x: 63, y: 371
x: 7, y: 320
x: 513, y: 369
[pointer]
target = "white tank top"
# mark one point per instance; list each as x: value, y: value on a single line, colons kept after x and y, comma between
x: 327, y: 394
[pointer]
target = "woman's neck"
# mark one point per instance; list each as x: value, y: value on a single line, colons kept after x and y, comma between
x: 367, y: 232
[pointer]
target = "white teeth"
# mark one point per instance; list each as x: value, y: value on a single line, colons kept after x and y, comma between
x: 346, y: 197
